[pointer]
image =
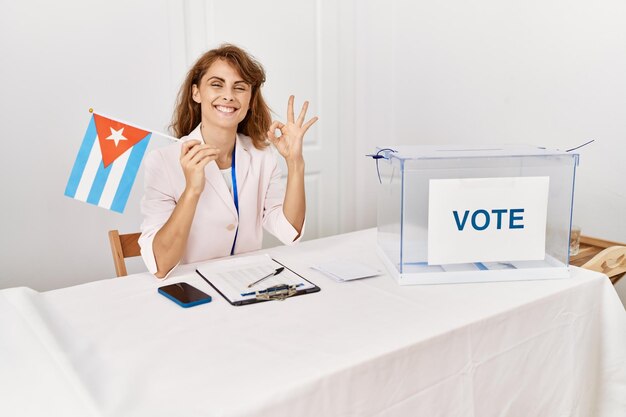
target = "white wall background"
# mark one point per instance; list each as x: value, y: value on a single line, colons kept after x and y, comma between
x: 548, y: 72
x: 58, y: 60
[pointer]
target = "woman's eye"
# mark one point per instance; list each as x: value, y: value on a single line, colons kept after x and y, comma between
x: 216, y: 85
x: 240, y: 88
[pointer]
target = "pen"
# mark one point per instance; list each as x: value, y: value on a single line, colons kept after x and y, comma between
x: 276, y: 272
x: 246, y: 294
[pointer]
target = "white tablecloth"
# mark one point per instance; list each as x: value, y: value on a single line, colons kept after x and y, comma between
x: 363, y: 348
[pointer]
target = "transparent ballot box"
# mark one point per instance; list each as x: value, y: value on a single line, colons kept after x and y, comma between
x: 449, y: 214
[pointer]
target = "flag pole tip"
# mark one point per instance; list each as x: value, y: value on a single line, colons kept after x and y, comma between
x: 90, y: 110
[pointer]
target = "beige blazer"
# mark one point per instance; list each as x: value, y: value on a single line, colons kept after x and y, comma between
x: 260, y: 191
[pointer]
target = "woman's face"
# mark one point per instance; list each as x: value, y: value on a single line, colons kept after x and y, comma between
x: 223, y: 95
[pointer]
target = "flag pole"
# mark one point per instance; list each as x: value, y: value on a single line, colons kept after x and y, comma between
x: 134, y: 125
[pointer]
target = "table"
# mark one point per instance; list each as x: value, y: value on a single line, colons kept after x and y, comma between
x: 365, y: 348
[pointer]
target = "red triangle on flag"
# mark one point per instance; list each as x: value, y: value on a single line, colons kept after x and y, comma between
x: 116, y: 138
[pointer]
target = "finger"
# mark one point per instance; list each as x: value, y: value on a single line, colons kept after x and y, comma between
x: 193, y: 160
x: 193, y: 151
x: 274, y: 140
x: 290, y: 109
x: 271, y: 136
x: 308, y: 124
x: 202, y: 163
x: 204, y: 153
x: 276, y: 125
x: 305, y: 107
x: 271, y: 133
x: 189, y: 154
x: 188, y: 145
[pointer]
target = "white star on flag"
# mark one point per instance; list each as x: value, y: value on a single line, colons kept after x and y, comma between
x: 117, y: 135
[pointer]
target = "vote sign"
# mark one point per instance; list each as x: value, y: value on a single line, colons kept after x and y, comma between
x: 487, y: 219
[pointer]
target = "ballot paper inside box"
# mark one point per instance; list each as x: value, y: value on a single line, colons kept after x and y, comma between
x: 451, y: 214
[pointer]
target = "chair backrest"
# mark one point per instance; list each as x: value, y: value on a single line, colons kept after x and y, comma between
x: 611, y: 262
x: 123, y: 246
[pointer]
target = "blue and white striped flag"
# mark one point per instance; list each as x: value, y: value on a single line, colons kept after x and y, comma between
x: 107, y: 163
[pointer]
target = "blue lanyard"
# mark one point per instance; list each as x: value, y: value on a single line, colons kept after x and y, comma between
x: 235, y: 196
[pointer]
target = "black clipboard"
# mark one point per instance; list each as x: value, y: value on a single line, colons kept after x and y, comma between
x: 311, y: 290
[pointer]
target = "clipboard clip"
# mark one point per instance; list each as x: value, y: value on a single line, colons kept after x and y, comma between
x: 277, y: 292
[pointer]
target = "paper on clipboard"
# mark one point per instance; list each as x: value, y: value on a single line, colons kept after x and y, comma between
x: 231, y: 277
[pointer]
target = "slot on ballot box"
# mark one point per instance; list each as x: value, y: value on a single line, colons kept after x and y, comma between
x: 451, y: 214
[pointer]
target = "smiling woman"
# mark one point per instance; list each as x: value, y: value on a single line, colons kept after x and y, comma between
x: 233, y: 63
x: 225, y: 125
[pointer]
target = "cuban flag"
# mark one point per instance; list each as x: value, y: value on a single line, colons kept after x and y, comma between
x: 107, y: 163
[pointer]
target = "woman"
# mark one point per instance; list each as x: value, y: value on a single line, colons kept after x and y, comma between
x: 212, y: 194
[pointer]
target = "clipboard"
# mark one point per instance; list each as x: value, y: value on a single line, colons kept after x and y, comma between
x: 231, y: 277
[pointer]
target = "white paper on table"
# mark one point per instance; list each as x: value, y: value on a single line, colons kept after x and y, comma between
x: 345, y: 270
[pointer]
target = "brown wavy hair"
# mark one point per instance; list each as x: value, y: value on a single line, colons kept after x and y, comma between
x: 187, y: 113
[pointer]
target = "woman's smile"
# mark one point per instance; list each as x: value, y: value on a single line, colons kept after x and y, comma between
x: 225, y: 110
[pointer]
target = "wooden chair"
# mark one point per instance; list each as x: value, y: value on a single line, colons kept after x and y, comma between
x: 601, y: 256
x: 611, y: 262
x: 123, y: 246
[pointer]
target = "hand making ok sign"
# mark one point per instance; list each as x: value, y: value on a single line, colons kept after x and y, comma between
x: 289, y: 143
